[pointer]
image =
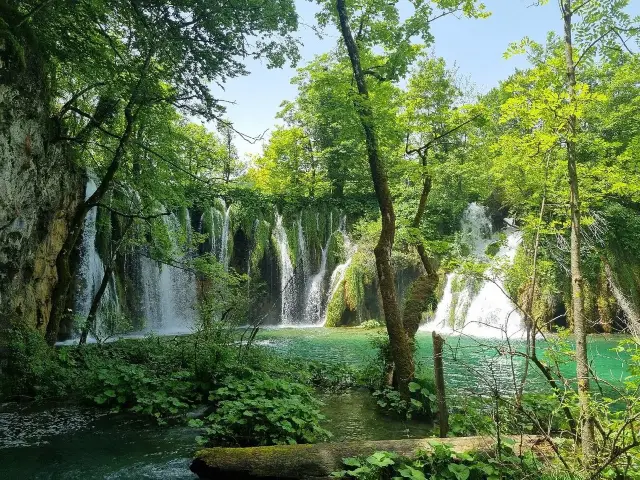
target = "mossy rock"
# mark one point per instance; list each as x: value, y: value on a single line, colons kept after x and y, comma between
x: 336, y: 307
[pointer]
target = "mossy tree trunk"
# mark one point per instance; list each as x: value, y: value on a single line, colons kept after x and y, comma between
x: 322, y: 459
x: 401, y: 349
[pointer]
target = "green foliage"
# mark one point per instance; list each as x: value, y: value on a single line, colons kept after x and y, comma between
x: 469, y: 417
x: 422, y: 403
x: 31, y: 366
x: 135, y: 388
x: 371, y: 324
x: 442, y: 463
x: 260, y: 410
x: 333, y: 377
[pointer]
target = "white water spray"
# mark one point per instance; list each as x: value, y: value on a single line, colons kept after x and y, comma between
x: 91, y: 266
x: 224, y: 240
x: 480, y: 307
x: 287, y: 281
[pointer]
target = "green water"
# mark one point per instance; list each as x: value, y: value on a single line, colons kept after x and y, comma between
x: 471, y: 365
x: 76, y: 444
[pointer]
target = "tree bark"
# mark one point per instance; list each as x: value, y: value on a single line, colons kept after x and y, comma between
x: 401, y: 348
x: 423, y: 288
x: 438, y: 373
x: 577, y: 303
x: 95, y: 304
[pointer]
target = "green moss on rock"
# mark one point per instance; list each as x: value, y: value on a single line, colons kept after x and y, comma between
x: 336, y: 307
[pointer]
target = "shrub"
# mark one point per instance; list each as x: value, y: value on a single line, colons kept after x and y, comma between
x: 442, y: 463
x: 32, y: 367
x: 371, y: 324
x: 138, y: 389
x: 422, y: 401
x: 261, y: 410
x: 333, y: 377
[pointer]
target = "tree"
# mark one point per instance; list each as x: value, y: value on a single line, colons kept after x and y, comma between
x: 119, y: 60
x: 378, y: 25
x: 555, y: 125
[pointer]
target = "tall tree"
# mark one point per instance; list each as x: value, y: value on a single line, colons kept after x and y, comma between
x: 377, y: 24
x: 577, y: 287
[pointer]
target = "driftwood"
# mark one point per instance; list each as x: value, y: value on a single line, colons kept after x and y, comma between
x: 318, y: 461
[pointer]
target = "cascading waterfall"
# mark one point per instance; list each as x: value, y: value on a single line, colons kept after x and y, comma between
x: 303, y: 252
x: 477, y: 307
x: 316, y: 299
x: 287, y: 280
x: 305, y: 294
x: 91, y: 266
x: 224, y: 239
x: 169, y: 292
x: 339, y: 272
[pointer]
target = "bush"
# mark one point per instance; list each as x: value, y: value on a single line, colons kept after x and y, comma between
x: 422, y: 401
x: 443, y: 464
x: 261, y: 410
x: 333, y: 377
x: 138, y: 389
x: 33, y: 368
x: 469, y: 417
x: 371, y: 324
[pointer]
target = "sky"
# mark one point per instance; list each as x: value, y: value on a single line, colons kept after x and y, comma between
x: 474, y: 47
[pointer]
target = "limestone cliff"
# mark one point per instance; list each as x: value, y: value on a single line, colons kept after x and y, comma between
x: 38, y: 188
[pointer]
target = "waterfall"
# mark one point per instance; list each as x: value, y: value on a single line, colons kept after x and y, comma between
x: 479, y: 307
x: 339, y: 272
x: 91, y: 267
x: 168, y: 292
x: 224, y: 239
x: 316, y: 300
x: 287, y: 280
x: 303, y: 252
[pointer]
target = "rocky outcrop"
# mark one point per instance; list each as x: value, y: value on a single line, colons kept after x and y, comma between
x: 38, y: 188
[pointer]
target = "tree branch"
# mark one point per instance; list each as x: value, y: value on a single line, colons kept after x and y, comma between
x: 139, y: 216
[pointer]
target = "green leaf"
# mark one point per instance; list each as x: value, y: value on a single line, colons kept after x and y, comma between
x: 352, y: 462
x: 461, y: 472
x: 414, y: 387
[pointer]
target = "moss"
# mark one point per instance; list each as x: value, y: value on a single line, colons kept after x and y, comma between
x: 336, y: 307
x: 420, y: 298
x: 336, y: 253
x: 260, y: 243
x: 354, y: 282
x: 492, y: 249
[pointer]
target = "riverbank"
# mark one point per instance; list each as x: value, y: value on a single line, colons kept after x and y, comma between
x: 163, y: 375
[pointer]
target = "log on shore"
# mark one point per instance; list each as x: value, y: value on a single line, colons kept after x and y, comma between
x: 318, y: 461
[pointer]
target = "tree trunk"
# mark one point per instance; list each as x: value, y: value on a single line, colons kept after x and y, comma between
x: 65, y: 277
x: 401, y: 349
x: 438, y: 373
x: 322, y: 459
x: 95, y: 304
x: 422, y: 291
x: 579, y: 323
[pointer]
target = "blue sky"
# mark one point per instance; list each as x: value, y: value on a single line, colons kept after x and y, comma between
x: 475, y: 47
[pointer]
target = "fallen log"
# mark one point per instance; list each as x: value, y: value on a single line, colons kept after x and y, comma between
x: 318, y: 461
